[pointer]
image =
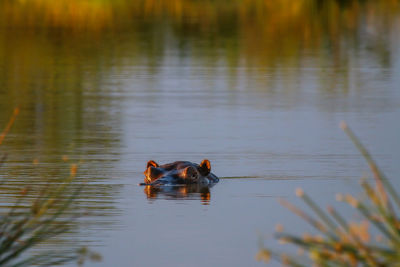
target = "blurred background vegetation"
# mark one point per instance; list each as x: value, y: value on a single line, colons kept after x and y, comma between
x: 71, y: 44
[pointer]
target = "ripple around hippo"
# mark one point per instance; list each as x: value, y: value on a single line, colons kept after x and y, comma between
x: 187, y: 192
x: 179, y: 173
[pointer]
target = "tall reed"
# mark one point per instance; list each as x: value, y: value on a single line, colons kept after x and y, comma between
x: 24, y: 226
x: 340, y: 242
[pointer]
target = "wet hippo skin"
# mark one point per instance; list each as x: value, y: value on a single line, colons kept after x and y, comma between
x: 179, y: 172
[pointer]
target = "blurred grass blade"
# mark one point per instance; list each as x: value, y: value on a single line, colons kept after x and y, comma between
x: 351, y: 243
x: 9, y: 124
x: 318, y: 225
x: 317, y: 210
x: 381, y: 180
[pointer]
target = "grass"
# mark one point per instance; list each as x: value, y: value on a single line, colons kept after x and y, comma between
x: 340, y: 242
x: 24, y: 226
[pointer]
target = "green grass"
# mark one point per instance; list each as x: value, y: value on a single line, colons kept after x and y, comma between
x: 29, y: 223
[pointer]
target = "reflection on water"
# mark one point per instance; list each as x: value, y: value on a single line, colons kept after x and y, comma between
x: 257, y: 87
x: 191, y: 191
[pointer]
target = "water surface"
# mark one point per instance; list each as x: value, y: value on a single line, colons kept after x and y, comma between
x: 263, y: 107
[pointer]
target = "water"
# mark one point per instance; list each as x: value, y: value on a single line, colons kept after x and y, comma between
x: 265, y: 114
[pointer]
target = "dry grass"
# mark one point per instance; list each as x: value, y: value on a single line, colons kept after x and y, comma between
x: 339, y: 241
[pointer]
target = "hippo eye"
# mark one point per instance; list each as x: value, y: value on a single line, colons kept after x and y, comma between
x: 190, y: 173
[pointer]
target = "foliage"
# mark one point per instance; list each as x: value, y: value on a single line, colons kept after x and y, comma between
x: 24, y: 226
x: 102, y: 14
x: 344, y: 243
x: 74, y: 45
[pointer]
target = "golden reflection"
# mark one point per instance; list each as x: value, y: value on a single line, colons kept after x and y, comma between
x: 46, y: 45
x: 282, y: 14
x: 190, y: 191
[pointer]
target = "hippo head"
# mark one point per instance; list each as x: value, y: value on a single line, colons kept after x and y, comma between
x: 179, y: 172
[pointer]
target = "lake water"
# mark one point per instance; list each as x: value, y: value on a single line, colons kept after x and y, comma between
x: 264, y: 111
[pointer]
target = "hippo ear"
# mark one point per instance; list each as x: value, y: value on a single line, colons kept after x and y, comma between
x: 205, y: 167
x: 152, y: 163
x: 152, y: 174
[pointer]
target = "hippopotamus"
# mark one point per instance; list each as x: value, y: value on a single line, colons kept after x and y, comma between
x: 179, y: 173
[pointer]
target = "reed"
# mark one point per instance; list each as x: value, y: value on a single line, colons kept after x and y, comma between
x: 341, y: 242
x: 30, y: 223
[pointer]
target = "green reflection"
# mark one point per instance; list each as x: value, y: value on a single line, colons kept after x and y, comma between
x: 64, y: 48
